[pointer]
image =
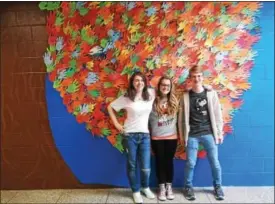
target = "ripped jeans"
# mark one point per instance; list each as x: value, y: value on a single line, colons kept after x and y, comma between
x: 137, y: 147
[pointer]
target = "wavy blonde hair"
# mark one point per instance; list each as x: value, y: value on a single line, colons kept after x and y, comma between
x: 173, y: 102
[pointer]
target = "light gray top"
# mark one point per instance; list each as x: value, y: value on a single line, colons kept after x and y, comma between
x: 162, y: 126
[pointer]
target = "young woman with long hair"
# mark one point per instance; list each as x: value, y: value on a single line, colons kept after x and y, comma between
x: 138, y: 103
x: 163, y: 128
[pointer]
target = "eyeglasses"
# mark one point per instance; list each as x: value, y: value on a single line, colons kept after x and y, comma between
x: 167, y: 85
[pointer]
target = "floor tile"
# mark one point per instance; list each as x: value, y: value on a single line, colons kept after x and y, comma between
x: 120, y: 195
x: 85, y: 196
x: 7, y: 195
x: 260, y: 195
x: 37, y: 196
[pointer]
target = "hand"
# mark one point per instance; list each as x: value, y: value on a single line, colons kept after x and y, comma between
x: 219, y: 140
x: 119, y: 127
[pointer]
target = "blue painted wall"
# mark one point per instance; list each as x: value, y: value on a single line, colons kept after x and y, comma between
x: 247, y: 156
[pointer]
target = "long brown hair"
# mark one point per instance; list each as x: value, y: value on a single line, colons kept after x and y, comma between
x: 131, y: 91
x: 173, y: 102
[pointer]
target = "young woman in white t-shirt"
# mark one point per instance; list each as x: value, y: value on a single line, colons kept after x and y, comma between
x: 138, y: 103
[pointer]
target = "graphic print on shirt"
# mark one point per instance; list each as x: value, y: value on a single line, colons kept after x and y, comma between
x: 165, y: 120
x: 201, y: 106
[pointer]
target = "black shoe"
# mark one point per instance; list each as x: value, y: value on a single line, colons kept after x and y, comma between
x: 218, y: 193
x: 188, y: 193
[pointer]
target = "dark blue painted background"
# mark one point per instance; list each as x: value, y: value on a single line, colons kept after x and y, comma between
x: 247, y: 156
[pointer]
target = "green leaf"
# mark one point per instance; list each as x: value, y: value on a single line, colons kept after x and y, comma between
x: 52, y: 48
x: 148, y: 39
x: 72, y: 63
x: 99, y: 20
x: 126, y: 70
x: 177, y: 13
x: 126, y: 20
x: 70, y: 72
x: 147, y: 4
x: 50, y: 6
x: 103, y: 42
x: 201, y: 147
x: 94, y: 93
x: 74, y: 87
x: 91, y: 40
x: 59, y: 57
x: 134, y: 58
x: 120, y: 113
x: 76, y: 110
x: 120, y: 93
x: 108, y: 70
x: 150, y: 64
x: 107, y: 84
x: 73, y: 8
x: 102, y: 3
x: 118, y: 143
x: 83, y: 11
x: 172, y: 40
x: 164, y: 51
x: 59, y: 19
x: 105, y: 132
x: 56, y: 83
x: 43, y: 5
x: 116, y: 52
x: 135, y: 37
x: 188, y: 6
x: 163, y: 24
x: 74, y: 34
x: 50, y: 68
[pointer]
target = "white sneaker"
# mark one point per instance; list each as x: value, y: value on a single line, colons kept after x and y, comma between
x: 169, y: 192
x: 137, y: 197
x: 162, y: 192
x: 148, y: 193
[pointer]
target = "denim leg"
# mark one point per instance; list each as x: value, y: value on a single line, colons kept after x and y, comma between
x: 144, y: 153
x: 191, y: 159
x: 131, y: 146
x: 212, y: 154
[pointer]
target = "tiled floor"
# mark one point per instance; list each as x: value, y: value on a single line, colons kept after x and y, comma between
x: 119, y: 195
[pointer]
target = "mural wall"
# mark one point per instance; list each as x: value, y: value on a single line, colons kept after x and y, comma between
x: 88, y: 61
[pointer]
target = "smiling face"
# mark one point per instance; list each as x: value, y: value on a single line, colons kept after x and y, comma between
x: 196, y: 79
x: 165, y: 87
x: 138, y: 83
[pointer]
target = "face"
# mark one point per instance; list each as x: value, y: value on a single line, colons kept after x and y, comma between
x: 138, y: 83
x: 165, y: 86
x: 196, y: 79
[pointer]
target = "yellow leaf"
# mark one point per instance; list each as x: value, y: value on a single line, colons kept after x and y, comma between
x: 152, y: 20
x: 125, y: 52
x: 208, y: 43
x: 181, y: 25
x: 90, y: 65
x: 149, y: 48
x: 92, y: 106
x: 134, y: 28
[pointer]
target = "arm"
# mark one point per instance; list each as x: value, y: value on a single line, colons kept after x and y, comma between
x: 118, y: 126
x: 218, y: 117
x: 180, y: 121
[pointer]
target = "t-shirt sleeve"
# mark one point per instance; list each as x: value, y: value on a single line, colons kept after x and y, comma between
x: 119, y: 103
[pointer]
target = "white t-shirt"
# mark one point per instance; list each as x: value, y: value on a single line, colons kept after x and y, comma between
x: 137, y: 112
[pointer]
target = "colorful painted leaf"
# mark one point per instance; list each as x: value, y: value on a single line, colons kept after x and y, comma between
x: 94, y: 47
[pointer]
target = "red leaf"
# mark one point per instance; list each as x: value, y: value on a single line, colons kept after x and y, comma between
x: 202, y: 154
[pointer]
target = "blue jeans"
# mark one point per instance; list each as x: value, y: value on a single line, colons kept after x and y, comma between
x: 191, y: 154
x: 138, y: 149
